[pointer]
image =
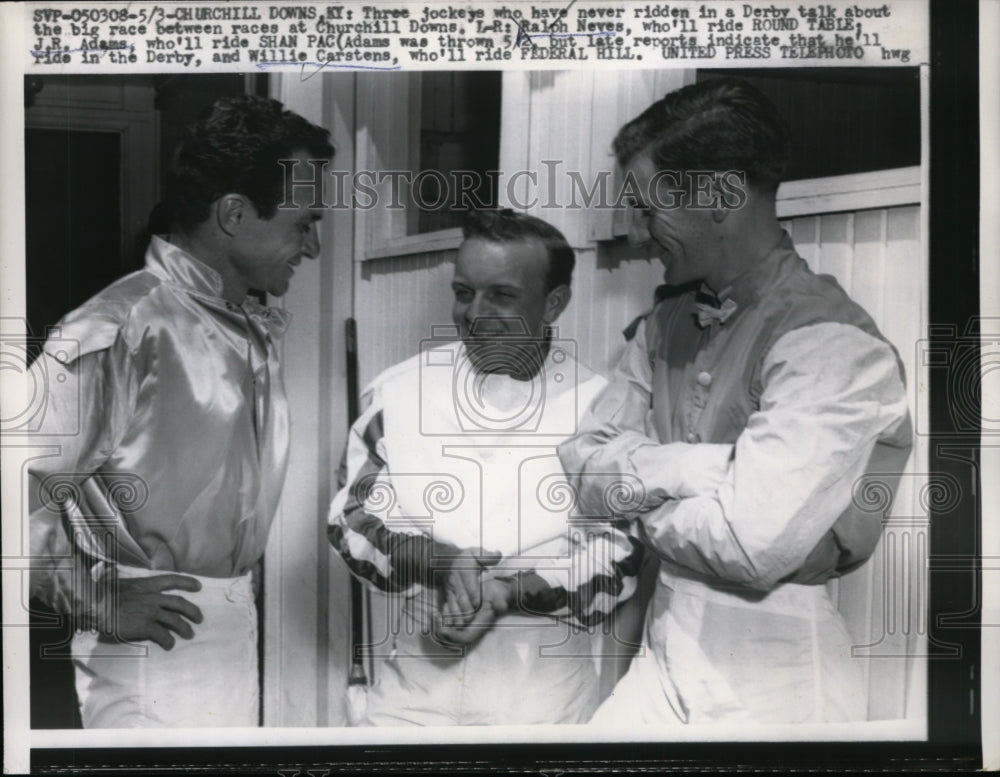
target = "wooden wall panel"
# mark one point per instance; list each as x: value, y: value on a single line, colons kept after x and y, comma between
x: 398, y: 302
x: 876, y: 256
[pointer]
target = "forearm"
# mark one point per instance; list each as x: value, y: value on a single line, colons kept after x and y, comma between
x: 626, y: 473
x: 749, y: 535
x: 84, y: 416
x: 615, y: 463
x: 586, y: 586
x: 388, y: 560
x: 796, y: 462
x: 61, y: 578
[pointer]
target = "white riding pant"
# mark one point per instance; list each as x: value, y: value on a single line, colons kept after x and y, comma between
x: 208, y: 681
x: 711, y: 654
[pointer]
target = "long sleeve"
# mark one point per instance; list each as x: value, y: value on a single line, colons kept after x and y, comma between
x: 166, y: 423
x: 615, y: 464
x: 582, y: 574
x: 831, y: 392
x: 396, y: 559
x: 602, y: 572
x: 86, y: 403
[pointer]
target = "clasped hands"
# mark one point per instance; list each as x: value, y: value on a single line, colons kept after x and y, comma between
x: 469, y: 600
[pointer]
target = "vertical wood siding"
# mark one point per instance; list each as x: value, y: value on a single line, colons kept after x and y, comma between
x: 398, y: 303
x: 876, y: 256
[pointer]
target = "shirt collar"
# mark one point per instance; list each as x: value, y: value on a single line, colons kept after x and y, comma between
x: 746, y: 289
x: 178, y: 267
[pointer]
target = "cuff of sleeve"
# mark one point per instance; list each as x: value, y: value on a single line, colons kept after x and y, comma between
x: 682, y: 469
x: 535, y: 596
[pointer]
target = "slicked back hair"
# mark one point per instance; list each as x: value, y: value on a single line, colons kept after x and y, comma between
x: 720, y: 124
x: 235, y: 148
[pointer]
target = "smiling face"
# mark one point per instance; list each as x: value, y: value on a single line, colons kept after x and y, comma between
x: 501, y: 304
x: 685, y: 236
x: 265, y: 252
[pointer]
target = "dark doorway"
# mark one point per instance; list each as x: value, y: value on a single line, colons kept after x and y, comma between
x: 73, y: 229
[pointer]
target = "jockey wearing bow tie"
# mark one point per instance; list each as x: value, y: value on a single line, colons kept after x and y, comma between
x: 748, y: 404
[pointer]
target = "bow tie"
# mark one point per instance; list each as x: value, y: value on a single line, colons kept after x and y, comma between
x: 706, y: 313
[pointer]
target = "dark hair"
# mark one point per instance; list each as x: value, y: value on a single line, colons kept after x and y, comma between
x: 235, y: 148
x: 719, y: 124
x: 508, y: 226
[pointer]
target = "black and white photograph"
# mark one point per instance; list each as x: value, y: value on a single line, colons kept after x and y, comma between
x: 536, y: 386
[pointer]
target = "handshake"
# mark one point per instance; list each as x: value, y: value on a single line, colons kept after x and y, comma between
x: 469, y: 599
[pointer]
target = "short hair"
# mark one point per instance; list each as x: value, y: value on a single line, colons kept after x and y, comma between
x: 508, y: 226
x: 719, y: 124
x: 235, y: 148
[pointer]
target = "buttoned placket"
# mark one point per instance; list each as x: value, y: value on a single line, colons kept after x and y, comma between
x: 712, y: 363
x: 700, y: 380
